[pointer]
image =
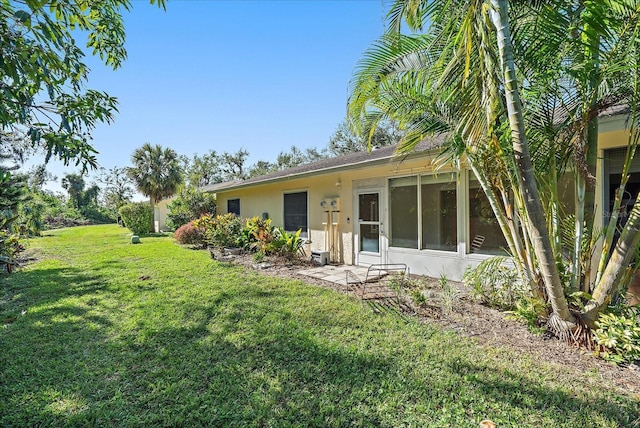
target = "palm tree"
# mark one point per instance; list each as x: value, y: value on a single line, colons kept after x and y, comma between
x: 74, y: 185
x: 156, y: 172
x: 462, y: 77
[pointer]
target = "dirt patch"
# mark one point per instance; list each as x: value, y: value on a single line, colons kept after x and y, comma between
x: 489, y: 327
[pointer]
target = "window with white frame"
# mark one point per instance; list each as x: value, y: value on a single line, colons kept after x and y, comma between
x: 296, y: 213
x: 423, y: 212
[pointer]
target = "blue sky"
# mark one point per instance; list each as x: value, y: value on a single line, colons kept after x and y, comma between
x: 224, y: 75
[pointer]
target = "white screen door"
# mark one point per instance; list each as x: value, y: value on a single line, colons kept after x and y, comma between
x: 369, y: 228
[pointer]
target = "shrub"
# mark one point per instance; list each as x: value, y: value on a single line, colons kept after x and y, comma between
x: 530, y: 311
x: 450, y: 294
x: 220, y: 231
x: 286, y: 244
x: 188, y: 234
x: 618, y: 335
x: 10, y: 247
x: 256, y: 235
x: 495, y: 283
x: 137, y: 217
x: 417, y: 296
x: 190, y: 204
x: 96, y: 214
x: 258, y: 257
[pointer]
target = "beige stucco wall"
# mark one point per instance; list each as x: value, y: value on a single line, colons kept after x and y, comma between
x: 344, y: 184
x: 613, y: 133
x: 160, y: 214
x: 268, y: 198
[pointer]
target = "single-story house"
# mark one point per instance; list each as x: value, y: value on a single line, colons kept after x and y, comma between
x: 371, y: 207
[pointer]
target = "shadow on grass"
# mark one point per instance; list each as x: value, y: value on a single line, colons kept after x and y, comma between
x: 45, y: 286
x: 515, y: 390
x: 245, y: 356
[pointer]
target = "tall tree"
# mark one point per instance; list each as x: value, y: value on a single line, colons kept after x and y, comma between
x: 38, y: 176
x: 74, y: 185
x: 79, y: 195
x: 156, y: 172
x: 344, y: 141
x: 232, y: 165
x: 467, y: 74
x: 13, y: 191
x: 118, y: 187
x: 44, y: 98
x: 295, y: 156
x: 202, y: 170
x: 262, y: 167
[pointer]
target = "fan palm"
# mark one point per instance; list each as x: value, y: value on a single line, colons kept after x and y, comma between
x: 156, y: 172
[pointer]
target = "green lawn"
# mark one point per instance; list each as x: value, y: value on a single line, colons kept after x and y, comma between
x: 200, y: 343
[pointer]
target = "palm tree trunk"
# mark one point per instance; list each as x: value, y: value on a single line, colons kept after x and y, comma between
x: 621, y: 257
x: 524, y: 169
x: 153, y: 214
x: 507, y: 226
x: 592, y: 52
x: 554, y: 209
x: 576, y: 265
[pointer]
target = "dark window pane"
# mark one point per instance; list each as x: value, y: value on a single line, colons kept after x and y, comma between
x: 233, y: 206
x: 368, y: 207
x: 403, y: 206
x: 439, y: 216
x: 295, y: 212
x: 483, y: 226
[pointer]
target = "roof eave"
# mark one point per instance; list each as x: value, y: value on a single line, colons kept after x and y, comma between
x: 328, y: 170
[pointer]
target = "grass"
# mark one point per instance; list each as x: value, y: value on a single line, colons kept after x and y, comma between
x: 101, y: 332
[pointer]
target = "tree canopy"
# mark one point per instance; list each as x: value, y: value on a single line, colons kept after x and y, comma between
x: 156, y: 171
x: 45, y: 103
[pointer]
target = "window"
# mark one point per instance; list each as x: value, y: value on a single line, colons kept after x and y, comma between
x: 403, y: 209
x: 295, y: 213
x: 439, y: 213
x: 423, y: 212
x: 484, y: 229
x: 233, y: 206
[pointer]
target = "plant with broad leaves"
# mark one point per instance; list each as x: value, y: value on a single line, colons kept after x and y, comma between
x: 618, y: 335
x: 220, y: 231
x: 287, y: 244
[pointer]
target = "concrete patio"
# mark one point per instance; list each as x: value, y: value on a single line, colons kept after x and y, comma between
x: 334, y: 273
x: 338, y: 273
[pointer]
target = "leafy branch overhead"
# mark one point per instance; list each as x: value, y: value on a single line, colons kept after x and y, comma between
x: 44, y: 98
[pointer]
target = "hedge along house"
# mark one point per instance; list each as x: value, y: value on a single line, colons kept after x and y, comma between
x: 371, y: 207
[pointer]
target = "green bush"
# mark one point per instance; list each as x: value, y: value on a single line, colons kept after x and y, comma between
x: 256, y: 235
x: 221, y: 231
x: 495, y: 283
x: 137, y: 217
x: 618, y: 335
x: 190, y: 204
x: 286, y: 244
x: 10, y: 247
x: 97, y: 214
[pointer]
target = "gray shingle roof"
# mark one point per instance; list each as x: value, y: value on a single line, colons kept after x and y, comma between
x: 381, y: 155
